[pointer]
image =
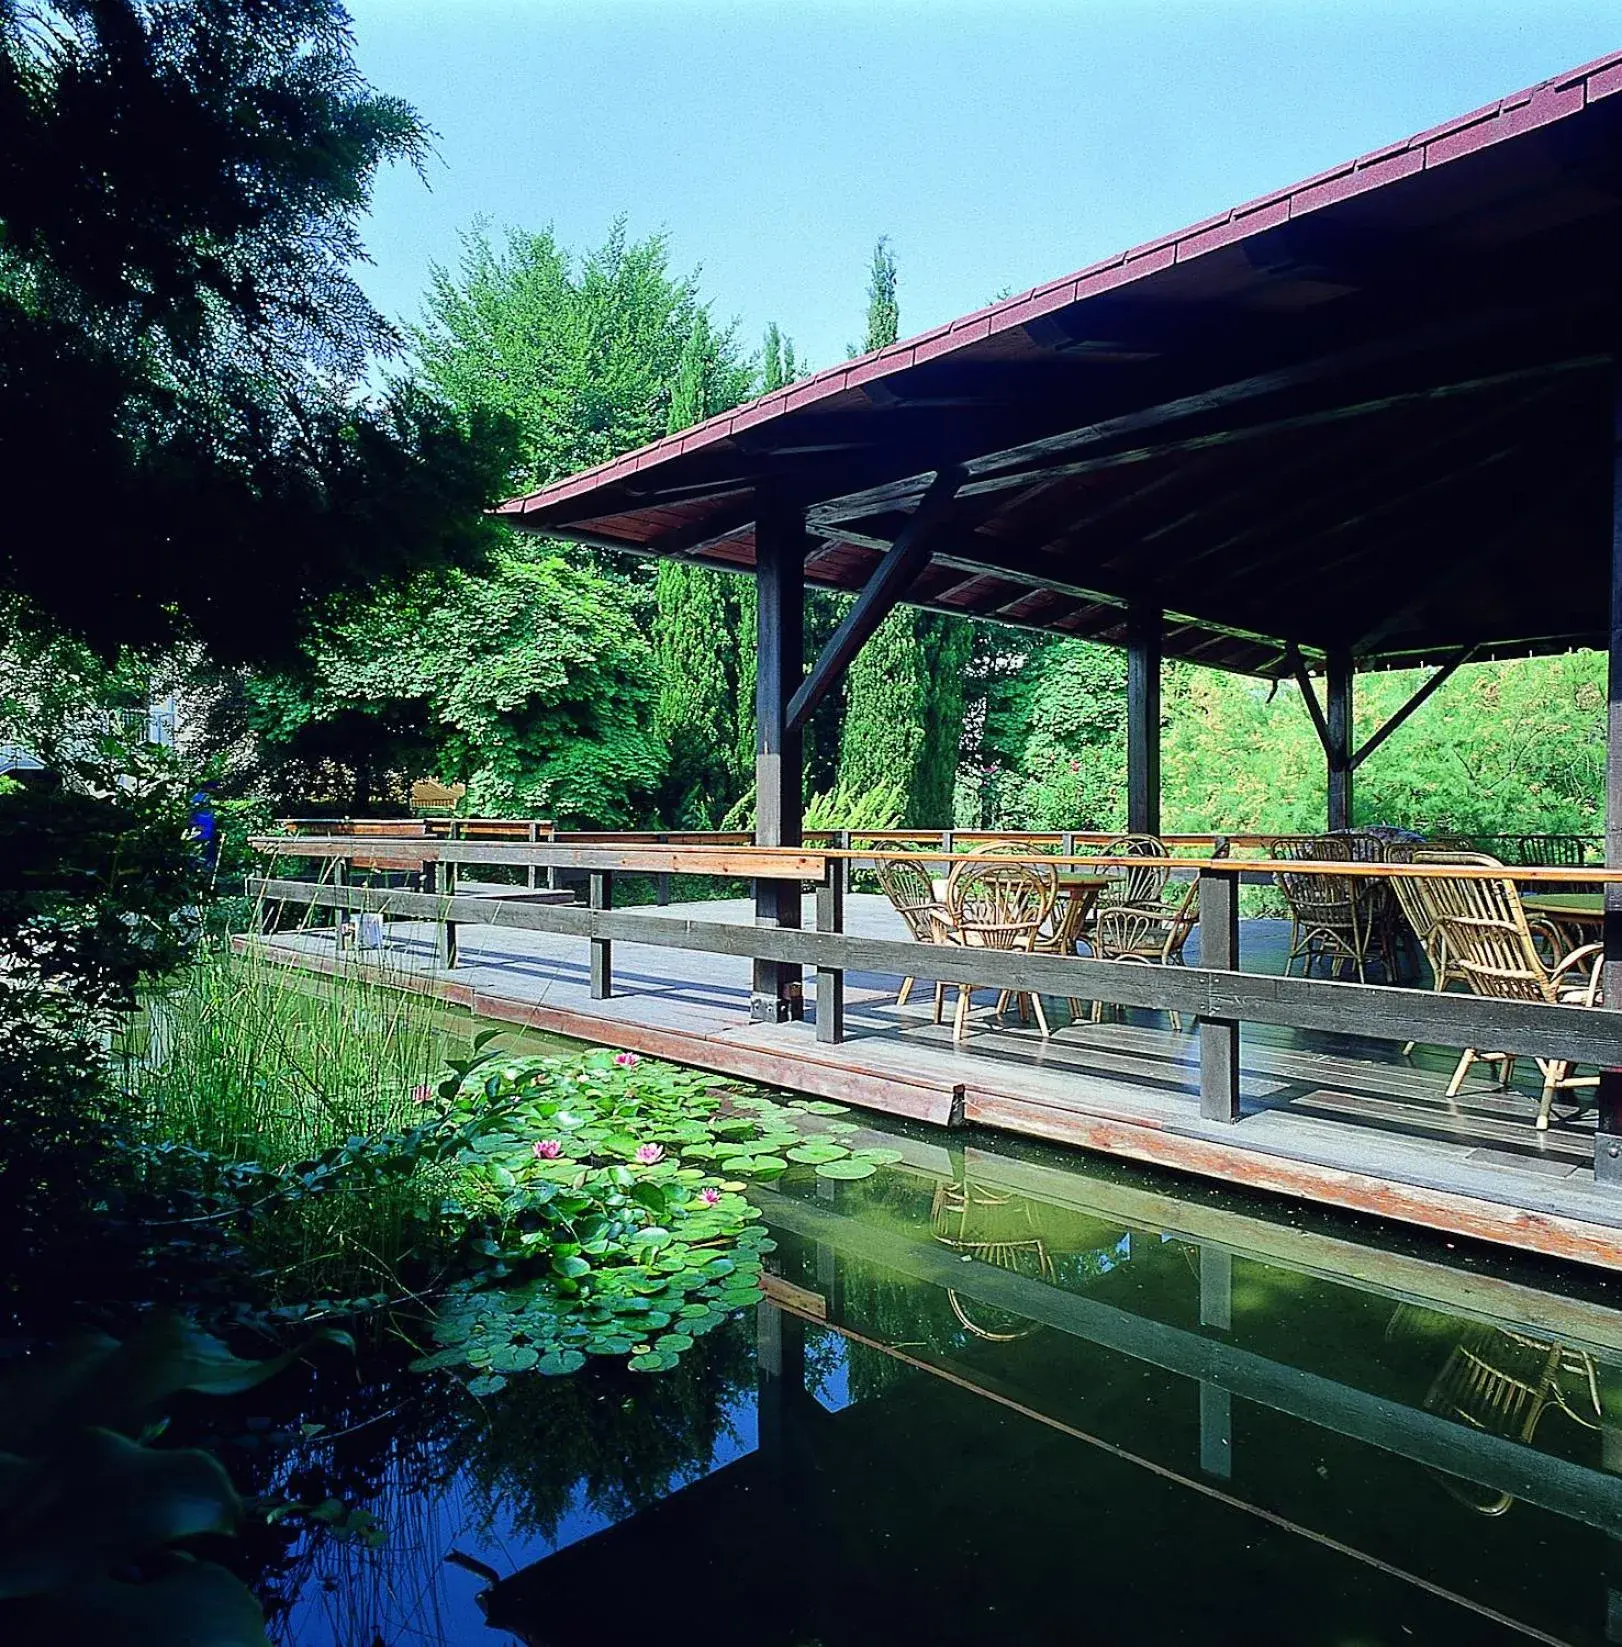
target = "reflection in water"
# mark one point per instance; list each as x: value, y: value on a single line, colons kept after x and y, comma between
x: 992, y: 1400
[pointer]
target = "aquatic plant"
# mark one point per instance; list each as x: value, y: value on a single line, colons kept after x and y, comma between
x: 98, y: 1519
x: 238, y: 1063
x: 590, y: 1234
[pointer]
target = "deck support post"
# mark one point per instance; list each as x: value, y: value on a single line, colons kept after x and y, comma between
x: 776, y: 991
x: 1144, y: 633
x: 1219, y: 1037
x: 831, y: 918
x: 1338, y: 741
x: 529, y: 869
x: 661, y: 882
x: 1608, y: 1137
x: 602, y: 949
x: 440, y: 878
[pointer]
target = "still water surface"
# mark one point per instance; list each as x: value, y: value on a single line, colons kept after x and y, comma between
x: 999, y: 1394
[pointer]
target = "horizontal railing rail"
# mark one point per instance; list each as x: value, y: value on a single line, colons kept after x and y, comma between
x: 1591, y: 1035
x: 806, y: 862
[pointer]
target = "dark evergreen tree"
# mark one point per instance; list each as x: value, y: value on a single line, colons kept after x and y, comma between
x: 181, y: 191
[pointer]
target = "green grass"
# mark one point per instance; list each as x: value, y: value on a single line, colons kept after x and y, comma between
x: 245, y: 1061
x: 250, y: 1063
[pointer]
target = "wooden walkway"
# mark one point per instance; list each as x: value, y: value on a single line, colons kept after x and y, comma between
x: 1329, y: 1119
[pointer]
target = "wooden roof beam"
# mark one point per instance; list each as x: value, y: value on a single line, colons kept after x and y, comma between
x: 891, y: 579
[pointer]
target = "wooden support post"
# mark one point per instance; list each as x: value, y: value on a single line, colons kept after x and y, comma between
x: 602, y: 949
x: 831, y: 979
x: 1338, y: 742
x: 661, y: 882
x: 340, y: 917
x: 1608, y: 1137
x: 440, y: 879
x: 780, y: 1377
x: 780, y: 643
x: 1219, y: 1037
x: 534, y: 838
x: 1143, y: 646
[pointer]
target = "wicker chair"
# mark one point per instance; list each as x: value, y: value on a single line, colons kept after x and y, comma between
x: 1331, y: 916
x: 1420, y: 901
x: 995, y: 904
x: 995, y: 1228
x: 1148, y: 934
x: 1560, y: 851
x: 1490, y: 945
x: 1138, y: 887
x: 909, y: 888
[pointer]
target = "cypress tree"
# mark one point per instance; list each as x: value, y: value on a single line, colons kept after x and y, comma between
x: 697, y: 642
x: 904, y: 693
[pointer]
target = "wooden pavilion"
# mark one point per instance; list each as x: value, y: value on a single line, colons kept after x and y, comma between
x: 1369, y: 421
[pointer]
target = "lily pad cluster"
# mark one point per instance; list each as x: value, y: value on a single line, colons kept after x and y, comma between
x: 605, y: 1209
x: 763, y: 1138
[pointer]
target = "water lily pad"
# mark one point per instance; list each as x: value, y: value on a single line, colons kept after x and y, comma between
x: 820, y: 1106
x: 851, y: 1168
x: 879, y: 1157
x: 488, y: 1384
x: 816, y: 1154
x: 558, y: 1362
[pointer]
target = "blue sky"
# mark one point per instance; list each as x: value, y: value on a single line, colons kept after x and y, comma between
x: 998, y: 144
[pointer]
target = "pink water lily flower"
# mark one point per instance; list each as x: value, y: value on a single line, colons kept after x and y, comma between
x: 709, y: 1196
x: 547, y: 1149
x: 421, y: 1094
x: 648, y: 1154
x: 626, y: 1060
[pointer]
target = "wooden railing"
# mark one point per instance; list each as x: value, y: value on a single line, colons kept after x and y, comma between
x: 1219, y: 995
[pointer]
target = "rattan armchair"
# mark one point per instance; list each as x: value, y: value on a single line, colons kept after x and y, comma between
x: 1331, y: 916
x: 908, y: 886
x: 1499, y: 1381
x: 992, y: 903
x: 1138, y: 887
x: 1149, y: 934
x: 1491, y: 946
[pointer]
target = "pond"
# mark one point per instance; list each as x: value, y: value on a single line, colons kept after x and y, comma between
x: 994, y: 1393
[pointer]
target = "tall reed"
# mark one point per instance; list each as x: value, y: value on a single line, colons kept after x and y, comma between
x: 249, y: 1062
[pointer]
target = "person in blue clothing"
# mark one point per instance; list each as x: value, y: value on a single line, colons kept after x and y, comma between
x: 205, y: 824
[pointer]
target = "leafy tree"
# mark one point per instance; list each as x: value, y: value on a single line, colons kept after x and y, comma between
x: 904, y: 692
x: 777, y: 363
x: 883, y: 306
x: 1050, y: 751
x: 582, y: 354
x: 534, y: 685
x: 182, y: 184
x: 1503, y: 748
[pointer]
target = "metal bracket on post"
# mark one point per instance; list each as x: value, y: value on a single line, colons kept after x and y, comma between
x: 1219, y: 1037
x: 602, y: 949
x: 831, y: 918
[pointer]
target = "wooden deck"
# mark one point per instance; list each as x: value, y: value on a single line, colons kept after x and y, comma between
x: 1330, y: 1119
